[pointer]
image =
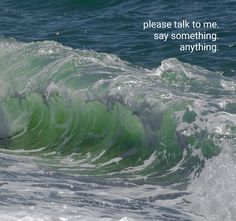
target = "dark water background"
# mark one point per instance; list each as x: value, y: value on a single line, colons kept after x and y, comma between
x: 116, y: 27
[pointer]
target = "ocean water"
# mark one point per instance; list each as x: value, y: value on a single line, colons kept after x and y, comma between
x: 100, y: 122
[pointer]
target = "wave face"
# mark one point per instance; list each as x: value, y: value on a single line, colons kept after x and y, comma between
x: 110, y: 116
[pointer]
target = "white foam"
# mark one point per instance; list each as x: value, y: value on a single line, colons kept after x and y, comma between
x: 23, y: 216
x: 214, y: 191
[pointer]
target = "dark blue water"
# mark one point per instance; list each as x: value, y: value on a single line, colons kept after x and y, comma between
x: 116, y: 27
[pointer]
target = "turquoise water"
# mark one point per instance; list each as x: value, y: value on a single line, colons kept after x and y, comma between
x: 98, y: 122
